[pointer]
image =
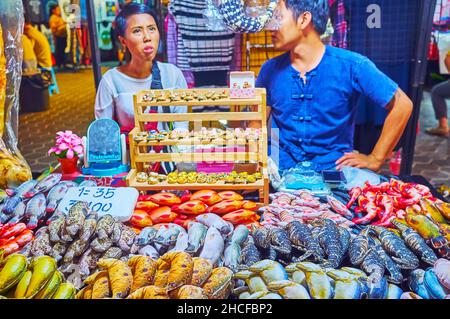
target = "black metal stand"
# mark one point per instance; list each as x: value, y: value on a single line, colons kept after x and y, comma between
x: 95, y: 51
x: 425, y: 22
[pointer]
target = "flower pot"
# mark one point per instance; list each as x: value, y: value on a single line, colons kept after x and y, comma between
x: 68, y: 165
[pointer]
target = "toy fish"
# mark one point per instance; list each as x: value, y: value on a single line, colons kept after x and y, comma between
x: 213, y: 247
x: 196, y: 236
x: 239, y: 235
x: 181, y: 243
x: 44, y: 185
x: 11, y: 204
x: 433, y: 286
x: 442, y: 270
x: 55, y: 195
x: 212, y: 220
x: 70, y: 184
x: 417, y: 283
x: 18, y: 213
x: 150, y: 251
x: 231, y: 256
x: 168, y: 235
x: 22, y: 189
x: 146, y: 236
x: 35, y: 210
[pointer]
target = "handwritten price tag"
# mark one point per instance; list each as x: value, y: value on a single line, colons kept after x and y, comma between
x: 118, y: 202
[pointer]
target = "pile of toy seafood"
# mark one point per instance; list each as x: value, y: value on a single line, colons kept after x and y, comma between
x: 28, y: 207
x: 163, y: 208
x: 80, y: 239
x: 213, y: 245
x: 175, y: 275
x: 36, y: 278
x: 268, y: 279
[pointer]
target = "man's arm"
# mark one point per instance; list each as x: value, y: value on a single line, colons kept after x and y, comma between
x: 400, y: 109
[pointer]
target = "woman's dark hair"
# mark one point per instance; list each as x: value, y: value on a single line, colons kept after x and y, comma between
x: 128, y: 10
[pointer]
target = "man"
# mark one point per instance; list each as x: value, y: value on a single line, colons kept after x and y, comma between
x: 312, y: 90
x: 59, y: 31
x: 439, y: 94
x: 41, y: 46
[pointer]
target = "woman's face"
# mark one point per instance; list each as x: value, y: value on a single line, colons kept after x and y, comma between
x: 141, y: 37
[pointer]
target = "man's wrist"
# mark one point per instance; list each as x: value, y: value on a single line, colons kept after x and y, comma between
x: 378, y: 158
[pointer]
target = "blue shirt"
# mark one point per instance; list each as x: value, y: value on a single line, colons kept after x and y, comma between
x: 314, y: 121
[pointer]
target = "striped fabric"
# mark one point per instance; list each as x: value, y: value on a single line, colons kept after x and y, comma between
x: 338, y: 18
x: 204, y: 50
x: 172, y: 49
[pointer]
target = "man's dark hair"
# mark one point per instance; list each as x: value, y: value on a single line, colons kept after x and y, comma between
x: 128, y: 10
x: 318, y: 9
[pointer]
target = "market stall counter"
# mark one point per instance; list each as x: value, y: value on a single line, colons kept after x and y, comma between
x: 383, y: 242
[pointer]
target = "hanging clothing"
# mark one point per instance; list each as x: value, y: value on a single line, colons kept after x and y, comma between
x: 35, y: 11
x: 170, y: 27
x: 236, y: 62
x: 339, y: 20
x: 104, y: 36
x: 205, y: 50
x: 172, y: 48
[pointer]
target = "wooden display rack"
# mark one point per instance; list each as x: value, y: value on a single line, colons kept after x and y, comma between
x: 255, y: 151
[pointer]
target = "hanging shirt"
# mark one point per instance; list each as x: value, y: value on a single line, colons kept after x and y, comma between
x: 41, y: 47
x: 315, y: 120
x: 339, y: 20
x: 104, y: 36
x: 115, y: 95
x: 206, y: 50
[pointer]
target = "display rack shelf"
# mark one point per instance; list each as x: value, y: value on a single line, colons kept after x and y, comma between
x: 255, y: 150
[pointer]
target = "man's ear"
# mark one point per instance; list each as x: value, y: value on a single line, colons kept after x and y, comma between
x: 304, y: 20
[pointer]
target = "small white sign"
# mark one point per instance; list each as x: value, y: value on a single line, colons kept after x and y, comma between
x: 242, y: 85
x: 118, y: 202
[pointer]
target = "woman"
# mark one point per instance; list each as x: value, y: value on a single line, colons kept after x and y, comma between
x: 137, y: 30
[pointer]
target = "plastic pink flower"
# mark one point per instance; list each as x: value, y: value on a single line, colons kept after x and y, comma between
x: 52, y: 150
x: 68, y: 144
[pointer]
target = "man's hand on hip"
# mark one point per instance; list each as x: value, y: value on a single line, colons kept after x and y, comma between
x: 359, y: 161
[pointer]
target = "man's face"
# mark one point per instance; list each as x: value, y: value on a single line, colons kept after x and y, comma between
x: 289, y: 33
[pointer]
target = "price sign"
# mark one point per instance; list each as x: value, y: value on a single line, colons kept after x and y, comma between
x: 118, y: 202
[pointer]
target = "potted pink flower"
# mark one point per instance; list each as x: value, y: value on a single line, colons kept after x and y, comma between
x: 68, y: 148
